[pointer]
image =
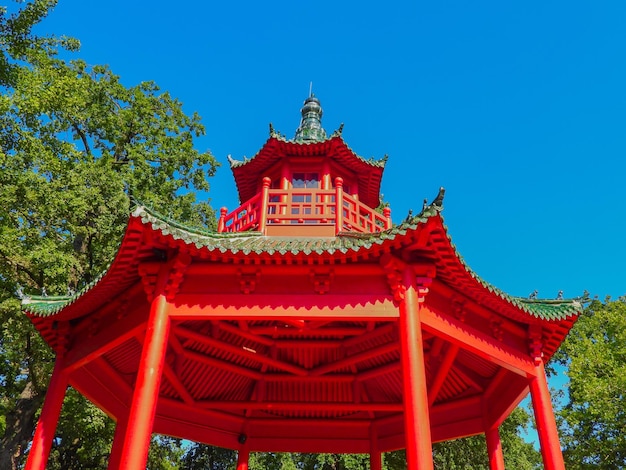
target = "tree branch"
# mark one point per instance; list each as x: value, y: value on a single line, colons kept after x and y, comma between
x: 83, y: 137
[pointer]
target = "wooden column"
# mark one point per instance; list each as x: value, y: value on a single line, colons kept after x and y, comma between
x: 265, y: 192
x: 544, y: 419
x: 118, y: 443
x: 494, y: 449
x: 242, y: 458
x: 143, y: 406
x: 221, y: 223
x: 46, y: 426
x: 376, y: 458
x: 416, y: 414
x: 338, y: 205
x: 387, y: 214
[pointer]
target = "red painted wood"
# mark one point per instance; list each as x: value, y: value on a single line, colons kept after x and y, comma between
x: 442, y: 372
x: 475, y: 341
x: 544, y: 420
x: 143, y: 406
x: 376, y: 458
x: 264, y: 202
x: 416, y: 413
x: 46, y: 426
x: 339, y: 205
x: 242, y: 458
x: 118, y: 443
x: 494, y: 449
x: 355, y: 307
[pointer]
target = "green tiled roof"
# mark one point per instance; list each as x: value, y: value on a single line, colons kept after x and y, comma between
x: 255, y: 243
x: 379, y: 163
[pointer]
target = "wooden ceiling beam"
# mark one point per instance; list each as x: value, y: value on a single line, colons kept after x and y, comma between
x: 442, y: 373
x: 238, y: 351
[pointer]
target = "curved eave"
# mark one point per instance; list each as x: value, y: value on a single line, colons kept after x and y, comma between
x: 556, y: 317
x: 147, y: 231
x: 247, y: 173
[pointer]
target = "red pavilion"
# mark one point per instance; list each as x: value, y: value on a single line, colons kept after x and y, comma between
x: 308, y: 323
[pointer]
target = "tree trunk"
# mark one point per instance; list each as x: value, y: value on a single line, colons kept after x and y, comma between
x: 20, y: 426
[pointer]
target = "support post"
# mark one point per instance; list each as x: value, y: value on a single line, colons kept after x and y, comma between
x: 544, y: 419
x: 118, y: 443
x: 376, y: 457
x: 145, y: 396
x: 387, y: 215
x: 416, y: 414
x: 265, y: 197
x: 221, y: 224
x: 46, y: 426
x: 242, y: 457
x: 338, y: 205
x: 494, y: 449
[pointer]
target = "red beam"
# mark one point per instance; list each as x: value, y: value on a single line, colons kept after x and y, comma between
x: 173, y: 379
x: 223, y: 365
x: 117, y: 333
x: 244, y: 332
x: 386, y: 329
x: 296, y: 307
x: 477, y: 342
x: 378, y: 371
x: 442, y: 373
x: 288, y: 378
x: 300, y: 406
x: 354, y: 359
x: 238, y: 351
x: 281, y: 330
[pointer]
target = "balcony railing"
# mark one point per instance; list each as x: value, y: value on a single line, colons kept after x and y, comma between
x: 304, y: 207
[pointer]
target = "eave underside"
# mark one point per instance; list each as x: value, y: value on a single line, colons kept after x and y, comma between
x: 306, y: 372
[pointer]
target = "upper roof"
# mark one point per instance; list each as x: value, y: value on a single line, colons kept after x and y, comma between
x: 147, y: 229
x: 310, y: 141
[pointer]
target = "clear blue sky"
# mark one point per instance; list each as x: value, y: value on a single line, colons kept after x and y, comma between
x: 517, y: 108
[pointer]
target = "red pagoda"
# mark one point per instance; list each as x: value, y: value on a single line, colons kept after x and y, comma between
x: 308, y: 323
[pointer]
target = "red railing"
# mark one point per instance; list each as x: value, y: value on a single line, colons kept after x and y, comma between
x: 245, y: 217
x: 304, y: 206
x: 358, y: 217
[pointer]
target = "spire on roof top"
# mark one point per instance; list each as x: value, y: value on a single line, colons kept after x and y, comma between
x: 311, y: 123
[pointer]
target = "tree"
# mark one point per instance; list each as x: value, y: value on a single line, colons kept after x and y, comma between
x: 75, y: 144
x: 471, y: 452
x: 594, y: 417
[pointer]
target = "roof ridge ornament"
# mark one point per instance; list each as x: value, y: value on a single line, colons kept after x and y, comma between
x: 310, y: 128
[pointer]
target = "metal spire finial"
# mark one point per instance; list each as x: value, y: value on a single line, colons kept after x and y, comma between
x: 310, y: 128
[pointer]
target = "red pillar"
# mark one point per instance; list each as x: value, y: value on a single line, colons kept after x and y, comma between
x: 494, y: 449
x: 387, y: 214
x: 221, y: 224
x: 265, y: 199
x: 242, y: 458
x: 46, y: 426
x: 143, y: 406
x: 416, y: 418
x: 118, y: 443
x: 376, y: 458
x: 544, y: 420
x: 338, y: 205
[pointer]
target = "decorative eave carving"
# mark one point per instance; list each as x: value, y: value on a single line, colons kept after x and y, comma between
x: 535, y: 343
x: 248, y: 280
x: 395, y: 268
x: 170, y: 273
x: 321, y: 280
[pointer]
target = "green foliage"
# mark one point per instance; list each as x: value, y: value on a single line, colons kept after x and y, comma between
x: 83, y: 438
x: 594, y: 418
x: 75, y: 144
x: 200, y: 456
x: 470, y: 453
x: 165, y: 453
